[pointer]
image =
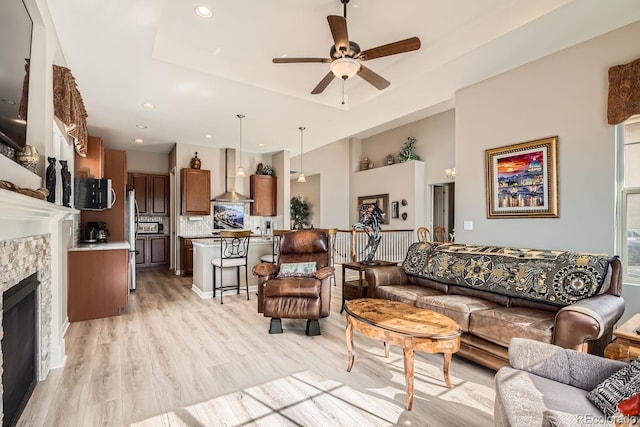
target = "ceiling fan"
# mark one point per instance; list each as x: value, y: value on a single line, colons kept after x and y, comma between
x: 346, y: 58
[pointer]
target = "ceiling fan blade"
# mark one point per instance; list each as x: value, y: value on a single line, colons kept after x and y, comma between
x: 323, y: 83
x: 374, y: 78
x: 297, y: 60
x: 401, y: 46
x: 338, y: 27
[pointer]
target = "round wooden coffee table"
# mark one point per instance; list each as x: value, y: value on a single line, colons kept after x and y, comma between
x: 405, y: 325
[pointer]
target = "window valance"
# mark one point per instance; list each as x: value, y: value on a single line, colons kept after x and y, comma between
x: 69, y: 107
x: 624, y: 92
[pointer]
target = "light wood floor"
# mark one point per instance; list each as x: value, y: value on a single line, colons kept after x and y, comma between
x: 173, y: 359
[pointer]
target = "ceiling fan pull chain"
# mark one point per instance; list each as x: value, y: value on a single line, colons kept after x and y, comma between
x: 343, y: 91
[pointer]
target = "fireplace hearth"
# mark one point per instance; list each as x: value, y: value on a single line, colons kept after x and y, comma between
x: 19, y: 347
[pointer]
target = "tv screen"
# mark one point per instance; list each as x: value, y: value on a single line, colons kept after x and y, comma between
x: 15, y: 32
x: 228, y: 216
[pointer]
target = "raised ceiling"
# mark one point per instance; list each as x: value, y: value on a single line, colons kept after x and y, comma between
x: 201, y: 73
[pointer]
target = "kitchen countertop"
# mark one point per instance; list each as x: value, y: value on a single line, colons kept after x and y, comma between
x: 107, y: 246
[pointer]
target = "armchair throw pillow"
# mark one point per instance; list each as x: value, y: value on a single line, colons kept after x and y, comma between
x: 297, y: 269
x: 619, y: 386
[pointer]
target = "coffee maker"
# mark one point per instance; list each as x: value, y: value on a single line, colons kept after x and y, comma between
x: 96, y: 231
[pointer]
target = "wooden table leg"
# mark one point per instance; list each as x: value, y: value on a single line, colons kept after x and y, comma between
x: 349, y: 336
x: 445, y: 368
x: 409, y: 356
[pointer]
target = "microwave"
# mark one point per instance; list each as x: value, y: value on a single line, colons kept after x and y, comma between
x: 93, y: 194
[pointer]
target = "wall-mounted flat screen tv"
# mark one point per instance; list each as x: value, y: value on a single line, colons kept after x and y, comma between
x: 228, y: 216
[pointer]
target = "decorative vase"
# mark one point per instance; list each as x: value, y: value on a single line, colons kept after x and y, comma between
x: 50, y: 179
x: 66, y: 183
x: 195, y: 162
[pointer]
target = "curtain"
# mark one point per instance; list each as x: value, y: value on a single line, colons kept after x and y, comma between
x: 69, y: 107
x: 624, y: 92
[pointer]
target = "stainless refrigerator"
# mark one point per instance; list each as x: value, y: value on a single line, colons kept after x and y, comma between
x: 131, y: 230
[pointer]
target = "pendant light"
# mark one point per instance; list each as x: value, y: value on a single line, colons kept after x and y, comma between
x: 301, y: 177
x: 240, y: 168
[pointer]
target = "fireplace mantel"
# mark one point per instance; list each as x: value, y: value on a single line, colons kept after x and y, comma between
x: 16, y: 206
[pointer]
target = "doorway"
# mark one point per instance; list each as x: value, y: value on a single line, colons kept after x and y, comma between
x: 443, y: 207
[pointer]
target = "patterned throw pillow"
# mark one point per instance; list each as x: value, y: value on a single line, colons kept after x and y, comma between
x: 298, y: 269
x: 619, y: 386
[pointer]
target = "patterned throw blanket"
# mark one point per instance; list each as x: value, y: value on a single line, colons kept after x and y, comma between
x: 554, y: 277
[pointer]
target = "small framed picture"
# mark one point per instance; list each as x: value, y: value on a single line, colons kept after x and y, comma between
x: 395, y: 210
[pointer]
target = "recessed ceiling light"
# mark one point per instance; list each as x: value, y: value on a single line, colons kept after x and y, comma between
x: 203, y: 12
x: 208, y: 136
x: 148, y: 106
x: 141, y: 126
x: 138, y: 140
x: 260, y: 145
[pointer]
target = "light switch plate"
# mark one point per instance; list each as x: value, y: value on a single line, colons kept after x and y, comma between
x: 467, y: 225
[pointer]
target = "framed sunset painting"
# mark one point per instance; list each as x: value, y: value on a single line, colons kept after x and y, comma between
x: 522, y: 180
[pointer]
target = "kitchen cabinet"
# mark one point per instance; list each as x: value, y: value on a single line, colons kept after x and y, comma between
x: 152, y: 192
x: 115, y: 168
x: 186, y: 254
x: 196, y: 191
x: 264, y: 195
x: 98, y: 283
x: 93, y: 164
x: 153, y: 251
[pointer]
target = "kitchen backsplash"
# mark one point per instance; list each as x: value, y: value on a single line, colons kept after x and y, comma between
x: 202, y: 225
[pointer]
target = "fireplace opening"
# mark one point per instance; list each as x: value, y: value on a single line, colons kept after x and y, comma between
x: 19, y: 347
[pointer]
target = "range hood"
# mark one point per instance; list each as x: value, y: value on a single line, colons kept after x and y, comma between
x: 230, y: 194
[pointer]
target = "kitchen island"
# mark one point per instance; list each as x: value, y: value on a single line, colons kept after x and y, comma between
x: 204, y: 250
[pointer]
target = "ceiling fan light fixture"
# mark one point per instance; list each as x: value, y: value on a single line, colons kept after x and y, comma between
x: 344, y: 68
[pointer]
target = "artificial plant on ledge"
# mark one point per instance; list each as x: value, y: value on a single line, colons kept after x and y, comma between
x: 408, y: 150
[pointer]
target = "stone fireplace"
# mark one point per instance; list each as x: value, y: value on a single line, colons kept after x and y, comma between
x: 19, y: 259
x: 34, y: 238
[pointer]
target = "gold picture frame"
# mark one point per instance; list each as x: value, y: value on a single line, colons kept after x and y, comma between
x: 522, y: 180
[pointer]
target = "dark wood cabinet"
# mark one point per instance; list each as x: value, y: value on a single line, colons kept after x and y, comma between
x: 152, y: 192
x: 264, y: 195
x: 93, y: 164
x: 187, y: 256
x: 153, y: 251
x: 141, y: 252
x: 158, y: 250
x: 115, y: 168
x: 98, y: 283
x: 196, y: 191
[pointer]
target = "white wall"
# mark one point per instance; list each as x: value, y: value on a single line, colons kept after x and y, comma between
x: 143, y: 161
x: 564, y: 94
x: 435, y: 144
x: 332, y: 163
x: 310, y: 192
x: 400, y: 181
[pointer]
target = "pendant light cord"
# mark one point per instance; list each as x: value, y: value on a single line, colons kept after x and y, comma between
x: 301, y: 132
x: 240, y: 168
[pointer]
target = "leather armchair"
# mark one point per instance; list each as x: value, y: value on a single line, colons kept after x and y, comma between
x: 297, y: 297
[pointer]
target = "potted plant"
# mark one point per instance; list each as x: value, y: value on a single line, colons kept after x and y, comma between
x: 299, y: 211
x: 408, y: 150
